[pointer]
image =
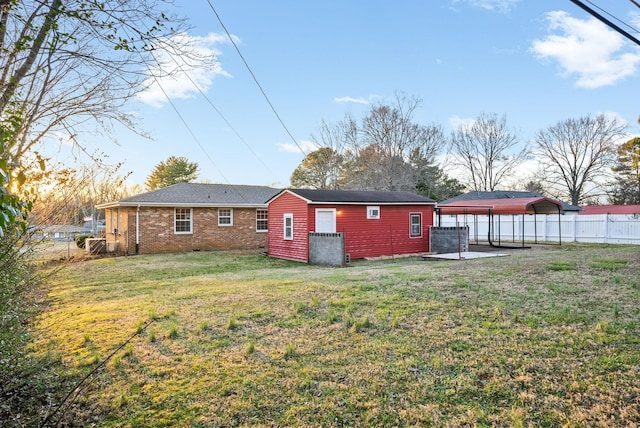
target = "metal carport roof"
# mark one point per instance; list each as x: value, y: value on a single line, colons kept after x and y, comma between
x: 509, y: 206
x: 529, y: 205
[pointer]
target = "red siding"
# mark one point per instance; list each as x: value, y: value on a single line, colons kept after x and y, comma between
x: 610, y: 209
x: 386, y: 236
x: 296, y: 249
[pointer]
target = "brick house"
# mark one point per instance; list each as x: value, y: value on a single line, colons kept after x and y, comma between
x: 189, y: 217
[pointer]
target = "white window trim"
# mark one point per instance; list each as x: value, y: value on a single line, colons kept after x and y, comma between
x: 370, y: 208
x: 411, y: 235
x: 230, y: 215
x: 257, y: 220
x: 175, y: 222
x: 284, y: 227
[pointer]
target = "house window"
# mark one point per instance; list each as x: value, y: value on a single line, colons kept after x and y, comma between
x: 288, y: 227
x: 261, y: 221
x: 225, y: 217
x: 415, y: 224
x: 182, y: 220
x: 373, y: 212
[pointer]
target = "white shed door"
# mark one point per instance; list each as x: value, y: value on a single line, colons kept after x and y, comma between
x: 325, y: 220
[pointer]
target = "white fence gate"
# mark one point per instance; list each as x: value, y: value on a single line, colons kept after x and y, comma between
x: 604, y: 228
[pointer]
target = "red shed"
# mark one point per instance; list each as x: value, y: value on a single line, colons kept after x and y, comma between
x: 372, y: 223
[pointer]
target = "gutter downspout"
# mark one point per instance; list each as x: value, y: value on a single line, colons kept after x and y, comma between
x: 138, y: 230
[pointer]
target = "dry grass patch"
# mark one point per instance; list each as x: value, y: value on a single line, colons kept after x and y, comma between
x: 239, y: 340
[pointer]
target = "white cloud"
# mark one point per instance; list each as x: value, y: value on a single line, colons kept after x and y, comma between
x: 183, y: 75
x: 587, y: 49
x: 305, y: 145
x: 502, y: 6
x: 343, y: 100
x: 456, y: 121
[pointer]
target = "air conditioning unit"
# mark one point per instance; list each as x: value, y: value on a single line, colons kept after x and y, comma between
x: 112, y: 246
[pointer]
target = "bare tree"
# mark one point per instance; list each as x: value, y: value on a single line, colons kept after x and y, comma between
x: 575, y: 153
x: 69, y: 195
x: 386, y: 151
x: 325, y: 168
x: 69, y: 67
x: 486, y: 150
x: 389, y: 138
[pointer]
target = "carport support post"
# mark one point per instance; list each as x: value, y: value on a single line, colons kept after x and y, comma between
x: 559, y: 227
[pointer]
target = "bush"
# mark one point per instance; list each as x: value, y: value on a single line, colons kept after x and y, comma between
x: 80, y: 240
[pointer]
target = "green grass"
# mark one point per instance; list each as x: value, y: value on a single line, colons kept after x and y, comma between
x: 238, y: 339
x: 560, y: 265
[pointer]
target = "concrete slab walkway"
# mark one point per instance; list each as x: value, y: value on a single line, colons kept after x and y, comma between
x: 465, y: 255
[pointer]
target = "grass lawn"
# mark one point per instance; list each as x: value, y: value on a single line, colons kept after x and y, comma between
x: 546, y: 337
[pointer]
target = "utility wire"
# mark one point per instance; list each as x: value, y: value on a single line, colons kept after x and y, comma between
x: 175, y: 109
x: 255, y: 79
x: 186, y: 125
x: 184, y: 122
x: 195, y: 85
x: 635, y: 30
x: 605, y: 20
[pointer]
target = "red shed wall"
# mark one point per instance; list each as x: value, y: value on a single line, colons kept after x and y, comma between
x: 298, y: 248
x: 386, y: 236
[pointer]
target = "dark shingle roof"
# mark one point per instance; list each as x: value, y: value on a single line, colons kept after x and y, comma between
x: 503, y: 194
x: 361, y: 196
x: 201, y: 194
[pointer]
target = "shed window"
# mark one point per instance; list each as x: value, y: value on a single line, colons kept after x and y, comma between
x: 225, y: 217
x: 261, y: 221
x: 415, y: 224
x: 183, y: 220
x: 373, y: 212
x: 288, y: 227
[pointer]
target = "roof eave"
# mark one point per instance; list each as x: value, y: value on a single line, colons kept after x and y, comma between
x: 371, y: 203
x: 132, y: 204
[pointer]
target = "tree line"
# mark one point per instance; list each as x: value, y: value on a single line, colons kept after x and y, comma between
x: 579, y: 159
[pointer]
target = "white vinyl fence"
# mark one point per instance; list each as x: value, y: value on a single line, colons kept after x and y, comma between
x: 604, y: 228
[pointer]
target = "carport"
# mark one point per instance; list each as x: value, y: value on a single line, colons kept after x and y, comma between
x: 512, y: 206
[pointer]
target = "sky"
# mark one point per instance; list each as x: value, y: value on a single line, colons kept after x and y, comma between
x: 537, y: 62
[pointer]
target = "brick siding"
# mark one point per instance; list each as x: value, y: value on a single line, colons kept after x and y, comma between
x: 157, y: 235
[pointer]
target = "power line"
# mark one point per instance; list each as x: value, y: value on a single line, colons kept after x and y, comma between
x: 175, y: 109
x: 605, y: 21
x: 181, y: 117
x: 255, y: 79
x: 635, y: 30
x: 186, y: 125
x: 195, y: 85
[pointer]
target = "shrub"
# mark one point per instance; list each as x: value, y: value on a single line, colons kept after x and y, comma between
x: 80, y: 240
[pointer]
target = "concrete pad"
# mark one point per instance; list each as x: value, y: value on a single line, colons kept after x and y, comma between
x: 465, y: 255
